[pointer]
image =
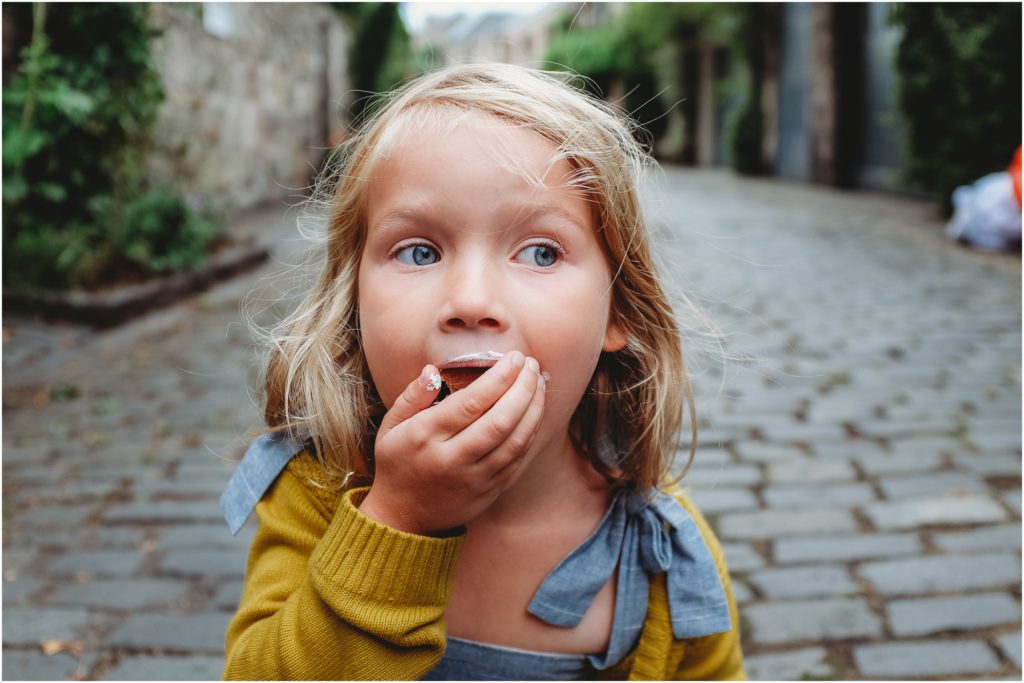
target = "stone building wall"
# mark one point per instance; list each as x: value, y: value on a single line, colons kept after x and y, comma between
x: 254, y: 93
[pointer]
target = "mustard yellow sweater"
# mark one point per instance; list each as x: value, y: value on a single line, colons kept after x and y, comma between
x: 332, y: 595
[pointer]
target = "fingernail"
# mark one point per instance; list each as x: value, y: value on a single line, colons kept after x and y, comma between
x: 517, y: 359
x: 532, y: 364
x: 429, y: 379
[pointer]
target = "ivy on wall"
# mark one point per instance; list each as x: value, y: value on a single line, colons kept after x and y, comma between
x: 960, y: 90
x: 77, y: 108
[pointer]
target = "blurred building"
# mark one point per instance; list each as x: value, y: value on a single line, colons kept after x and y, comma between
x: 827, y: 91
x: 829, y: 95
x: 494, y: 36
x: 254, y: 92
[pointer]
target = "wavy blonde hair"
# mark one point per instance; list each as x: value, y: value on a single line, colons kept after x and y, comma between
x: 317, y: 382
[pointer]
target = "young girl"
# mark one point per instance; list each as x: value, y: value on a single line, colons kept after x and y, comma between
x: 485, y: 221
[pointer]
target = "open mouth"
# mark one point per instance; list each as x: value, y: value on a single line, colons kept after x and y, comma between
x: 460, y: 371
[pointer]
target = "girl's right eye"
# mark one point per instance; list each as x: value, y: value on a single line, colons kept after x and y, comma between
x: 417, y: 255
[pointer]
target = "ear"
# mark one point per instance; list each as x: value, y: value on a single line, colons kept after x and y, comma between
x: 614, y: 337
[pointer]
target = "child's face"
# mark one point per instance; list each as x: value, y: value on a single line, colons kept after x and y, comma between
x: 463, y: 255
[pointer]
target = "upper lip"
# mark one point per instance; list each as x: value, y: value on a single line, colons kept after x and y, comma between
x: 477, y: 359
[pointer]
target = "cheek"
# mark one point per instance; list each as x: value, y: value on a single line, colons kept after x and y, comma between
x: 387, y: 327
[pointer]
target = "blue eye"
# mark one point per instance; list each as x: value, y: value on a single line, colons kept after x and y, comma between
x: 542, y: 255
x: 417, y: 255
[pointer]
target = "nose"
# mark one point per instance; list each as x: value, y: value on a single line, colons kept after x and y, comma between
x: 473, y: 298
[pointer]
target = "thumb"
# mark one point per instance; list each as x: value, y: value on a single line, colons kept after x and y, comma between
x: 419, y: 395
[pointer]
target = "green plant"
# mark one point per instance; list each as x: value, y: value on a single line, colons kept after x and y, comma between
x: 77, y: 112
x: 959, y: 89
x: 380, y: 57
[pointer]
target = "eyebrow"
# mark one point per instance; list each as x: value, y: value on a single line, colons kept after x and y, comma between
x: 523, y: 214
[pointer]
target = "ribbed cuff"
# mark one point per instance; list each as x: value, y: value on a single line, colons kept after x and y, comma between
x: 360, y: 556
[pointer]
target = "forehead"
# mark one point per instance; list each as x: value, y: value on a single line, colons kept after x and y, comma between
x: 471, y: 136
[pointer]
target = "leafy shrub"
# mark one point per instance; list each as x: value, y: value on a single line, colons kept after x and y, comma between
x: 76, y: 114
x: 960, y: 90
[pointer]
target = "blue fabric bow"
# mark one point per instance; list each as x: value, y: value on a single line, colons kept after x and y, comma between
x: 640, y: 538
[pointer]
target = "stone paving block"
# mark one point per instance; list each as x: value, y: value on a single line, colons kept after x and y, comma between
x: 925, y: 446
x: 1012, y: 499
x: 793, y: 432
x: 961, y: 509
x: 1001, y: 537
x: 752, y: 451
x: 108, y: 537
x: 845, y: 548
x: 741, y: 592
x: 192, y: 633
x: 120, y: 594
x: 33, y: 625
x: 33, y: 665
x: 728, y: 475
x: 183, y: 668
x: 785, y: 522
x: 893, y: 463
x: 17, y: 561
x: 741, y: 557
x: 715, y: 500
x: 925, y: 616
x: 991, y: 465
x: 841, y: 494
x: 100, y: 562
x: 847, y: 450
x: 52, y: 516
x: 803, y: 582
x: 811, y: 620
x: 942, y: 483
x: 923, y: 659
x: 792, y: 665
x: 1010, y: 645
x: 228, y: 595
x: 205, y: 562
x: 810, y: 472
x: 165, y: 512
x: 936, y: 573
x: 1007, y: 438
x: 16, y: 591
x: 204, y: 535
x: 893, y: 429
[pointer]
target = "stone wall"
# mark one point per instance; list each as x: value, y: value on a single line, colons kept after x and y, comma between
x: 254, y: 93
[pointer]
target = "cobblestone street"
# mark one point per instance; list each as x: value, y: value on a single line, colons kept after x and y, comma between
x: 860, y: 446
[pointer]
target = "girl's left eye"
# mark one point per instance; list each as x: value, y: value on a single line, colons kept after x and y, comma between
x: 542, y: 255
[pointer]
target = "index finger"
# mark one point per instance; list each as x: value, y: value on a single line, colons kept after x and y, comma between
x: 464, y: 407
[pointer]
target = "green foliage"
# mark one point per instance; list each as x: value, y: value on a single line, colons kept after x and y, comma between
x: 77, y: 111
x: 628, y: 51
x: 610, y: 54
x: 380, y: 58
x: 959, y: 89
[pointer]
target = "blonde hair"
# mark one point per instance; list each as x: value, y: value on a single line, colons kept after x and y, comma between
x: 317, y: 382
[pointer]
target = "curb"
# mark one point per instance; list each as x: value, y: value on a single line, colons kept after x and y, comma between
x: 112, y: 307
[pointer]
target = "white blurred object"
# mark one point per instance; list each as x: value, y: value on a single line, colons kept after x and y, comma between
x: 986, y: 214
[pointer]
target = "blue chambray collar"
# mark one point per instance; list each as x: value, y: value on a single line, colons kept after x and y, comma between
x: 266, y: 457
x: 641, y: 537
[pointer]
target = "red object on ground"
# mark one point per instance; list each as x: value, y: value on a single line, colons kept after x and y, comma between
x: 1014, y: 171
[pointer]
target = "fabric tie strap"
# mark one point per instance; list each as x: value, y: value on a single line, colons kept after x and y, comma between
x: 654, y: 536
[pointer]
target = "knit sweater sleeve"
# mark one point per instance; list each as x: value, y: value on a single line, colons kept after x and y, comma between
x: 332, y: 594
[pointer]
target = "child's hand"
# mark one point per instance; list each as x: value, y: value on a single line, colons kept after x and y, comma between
x: 437, y: 469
